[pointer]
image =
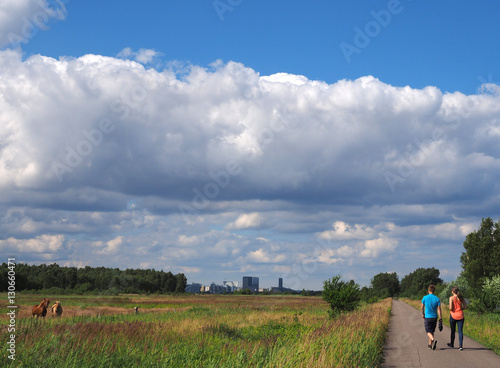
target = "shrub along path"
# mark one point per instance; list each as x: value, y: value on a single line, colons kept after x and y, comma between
x: 406, y: 344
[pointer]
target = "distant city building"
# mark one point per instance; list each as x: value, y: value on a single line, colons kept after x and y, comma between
x: 213, y: 288
x: 230, y: 286
x: 280, y: 288
x: 193, y: 288
x: 216, y: 289
x: 251, y: 283
x: 255, y: 282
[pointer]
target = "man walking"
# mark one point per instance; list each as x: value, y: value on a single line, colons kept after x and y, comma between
x: 431, y: 308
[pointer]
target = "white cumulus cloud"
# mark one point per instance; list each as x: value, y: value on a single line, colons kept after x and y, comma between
x: 341, y: 230
x: 375, y: 247
x: 262, y: 256
x: 168, y: 164
x: 110, y: 247
x: 40, y: 244
x: 143, y: 56
x: 22, y: 19
x: 246, y: 221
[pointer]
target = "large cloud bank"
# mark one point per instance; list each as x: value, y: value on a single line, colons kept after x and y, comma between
x: 225, y: 162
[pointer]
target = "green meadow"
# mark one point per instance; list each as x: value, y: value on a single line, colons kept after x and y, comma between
x: 197, y: 331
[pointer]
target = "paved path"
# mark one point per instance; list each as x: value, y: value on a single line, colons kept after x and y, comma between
x: 407, y: 341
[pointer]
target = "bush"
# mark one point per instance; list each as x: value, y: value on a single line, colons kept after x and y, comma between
x: 342, y: 296
x: 368, y: 295
x: 83, y: 288
x: 56, y: 291
x: 491, y: 293
x: 112, y: 291
x: 488, y: 299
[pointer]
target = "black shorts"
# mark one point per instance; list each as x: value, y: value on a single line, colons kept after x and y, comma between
x: 430, y: 324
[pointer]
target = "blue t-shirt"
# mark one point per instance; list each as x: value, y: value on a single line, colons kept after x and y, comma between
x: 431, y: 302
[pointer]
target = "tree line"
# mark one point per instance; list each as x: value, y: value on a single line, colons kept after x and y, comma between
x: 345, y: 296
x: 92, y: 279
x: 479, y: 280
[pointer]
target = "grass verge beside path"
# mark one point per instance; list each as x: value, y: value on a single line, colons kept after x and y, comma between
x: 261, y: 332
x: 481, y: 327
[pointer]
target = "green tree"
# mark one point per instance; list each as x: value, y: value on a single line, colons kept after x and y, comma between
x: 462, y: 285
x: 481, y: 259
x: 90, y: 279
x: 181, y: 283
x: 385, y: 285
x: 70, y: 277
x: 367, y: 295
x: 416, y: 283
x: 342, y: 296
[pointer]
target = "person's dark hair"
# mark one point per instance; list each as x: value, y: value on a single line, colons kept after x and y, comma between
x: 432, y: 288
x: 459, y: 295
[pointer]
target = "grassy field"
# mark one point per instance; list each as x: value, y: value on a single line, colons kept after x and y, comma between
x: 197, y: 331
x: 482, y: 327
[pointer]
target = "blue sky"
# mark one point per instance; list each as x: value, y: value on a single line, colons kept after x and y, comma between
x: 294, y: 139
x: 445, y: 44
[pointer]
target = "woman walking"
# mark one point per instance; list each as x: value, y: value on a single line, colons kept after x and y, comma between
x: 457, y: 306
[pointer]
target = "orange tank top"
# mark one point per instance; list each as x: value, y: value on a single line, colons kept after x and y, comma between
x: 458, y: 312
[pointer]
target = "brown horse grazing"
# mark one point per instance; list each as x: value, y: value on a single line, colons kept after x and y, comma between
x: 56, y: 309
x: 41, y: 309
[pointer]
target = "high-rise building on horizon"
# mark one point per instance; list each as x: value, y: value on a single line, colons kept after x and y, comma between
x: 251, y: 283
x: 255, y: 283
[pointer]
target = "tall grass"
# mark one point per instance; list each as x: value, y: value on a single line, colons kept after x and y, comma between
x: 481, y: 327
x: 225, y: 331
